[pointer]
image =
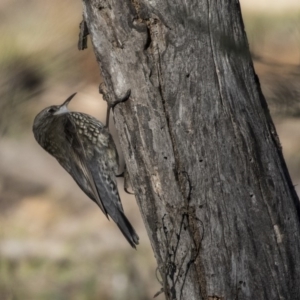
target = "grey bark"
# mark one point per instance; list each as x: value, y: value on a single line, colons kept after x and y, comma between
x: 202, y: 152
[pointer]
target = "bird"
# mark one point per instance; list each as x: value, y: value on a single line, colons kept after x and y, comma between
x: 84, y: 147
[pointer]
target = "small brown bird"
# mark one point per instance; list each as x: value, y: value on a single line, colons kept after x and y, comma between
x: 85, y: 149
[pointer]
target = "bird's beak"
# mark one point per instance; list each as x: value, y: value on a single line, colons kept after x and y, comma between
x: 68, y: 100
x: 64, y: 107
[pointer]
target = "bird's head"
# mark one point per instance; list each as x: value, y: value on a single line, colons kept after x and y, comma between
x: 48, y: 115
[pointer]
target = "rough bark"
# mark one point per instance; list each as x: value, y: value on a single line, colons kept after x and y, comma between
x: 201, y: 149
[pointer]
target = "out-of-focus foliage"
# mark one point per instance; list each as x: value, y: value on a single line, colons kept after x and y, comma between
x: 54, y: 242
x: 275, y: 45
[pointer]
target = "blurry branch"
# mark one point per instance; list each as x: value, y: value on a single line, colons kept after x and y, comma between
x: 272, y: 62
x: 280, y: 86
x: 20, y: 84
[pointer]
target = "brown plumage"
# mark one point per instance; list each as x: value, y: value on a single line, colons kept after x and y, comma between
x: 85, y: 149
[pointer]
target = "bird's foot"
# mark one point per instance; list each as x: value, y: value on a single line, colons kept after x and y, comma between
x: 110, y: 102
x: 127, y: 182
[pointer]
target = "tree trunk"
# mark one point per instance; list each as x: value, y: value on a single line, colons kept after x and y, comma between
x: 202, y: 152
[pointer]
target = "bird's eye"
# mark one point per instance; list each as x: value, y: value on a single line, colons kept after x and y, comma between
x: 51, y: 110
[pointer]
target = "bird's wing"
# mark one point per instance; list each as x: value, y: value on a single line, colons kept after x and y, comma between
x: 109, y: 193
x: 97, y: 180
x: 107, y: 188
x: 79, y: 168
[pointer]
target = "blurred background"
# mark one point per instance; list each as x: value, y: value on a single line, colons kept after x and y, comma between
x: 54, y: 242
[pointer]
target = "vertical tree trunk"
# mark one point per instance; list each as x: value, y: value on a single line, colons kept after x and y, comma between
x: 201, y: 149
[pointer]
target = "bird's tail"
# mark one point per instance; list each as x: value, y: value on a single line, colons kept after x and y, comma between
x: 127, y: 230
